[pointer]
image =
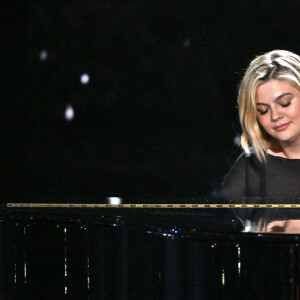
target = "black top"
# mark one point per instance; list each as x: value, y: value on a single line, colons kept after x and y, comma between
x: 275, y: 181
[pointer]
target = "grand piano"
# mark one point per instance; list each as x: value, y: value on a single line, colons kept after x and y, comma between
x: 191, y: 249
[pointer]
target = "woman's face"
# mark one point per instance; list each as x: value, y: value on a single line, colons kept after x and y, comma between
x: 278, y: 111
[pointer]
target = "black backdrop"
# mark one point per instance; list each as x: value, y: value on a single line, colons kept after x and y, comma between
x: 158, y: 116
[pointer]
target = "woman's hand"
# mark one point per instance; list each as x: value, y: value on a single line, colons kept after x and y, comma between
x: 284, y: 226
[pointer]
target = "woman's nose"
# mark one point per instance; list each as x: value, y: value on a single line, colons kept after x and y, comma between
x: 275, y: 115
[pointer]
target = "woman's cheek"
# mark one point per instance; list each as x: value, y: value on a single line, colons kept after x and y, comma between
x: 262, y: 122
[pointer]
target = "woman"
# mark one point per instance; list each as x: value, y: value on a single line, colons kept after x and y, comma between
x: 269, y: 108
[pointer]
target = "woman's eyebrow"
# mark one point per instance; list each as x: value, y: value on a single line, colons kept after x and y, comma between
x: 276, y: 99
x: 280, y: 96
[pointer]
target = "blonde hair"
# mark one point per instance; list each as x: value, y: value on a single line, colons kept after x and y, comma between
x: 276, y: 64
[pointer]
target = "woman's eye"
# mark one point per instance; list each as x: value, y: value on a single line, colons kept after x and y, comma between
x: 285, y: 104
x: 263, y: 112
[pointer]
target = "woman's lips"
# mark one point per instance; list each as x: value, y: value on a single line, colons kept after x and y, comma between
x: 281, y: 127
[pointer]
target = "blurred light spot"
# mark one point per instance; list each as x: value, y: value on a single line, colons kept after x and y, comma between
x: 187, y: 43
x: 114, y: 200
x: 223, y: 277
x: 85, y: 78
x: 69, y: 113
x: 43, y: 55
x: 237, y: 140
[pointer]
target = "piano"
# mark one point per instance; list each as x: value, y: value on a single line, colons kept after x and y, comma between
x: 197, y: 249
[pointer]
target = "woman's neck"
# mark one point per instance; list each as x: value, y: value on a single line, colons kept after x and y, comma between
x: 291, y: 151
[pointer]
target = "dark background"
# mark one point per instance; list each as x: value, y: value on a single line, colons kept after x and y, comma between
x: 158, y: 116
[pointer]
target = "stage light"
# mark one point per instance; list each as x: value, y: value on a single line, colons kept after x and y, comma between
x: 187, y: 43
x: 237, y: 140
x: 69, y: 113
x: 85, y: 78
x: 43, y: 55
x: 114, y: 200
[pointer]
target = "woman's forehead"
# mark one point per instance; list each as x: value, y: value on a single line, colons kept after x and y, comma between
x: 273, y: 89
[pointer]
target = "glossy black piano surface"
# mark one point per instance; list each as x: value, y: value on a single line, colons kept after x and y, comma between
x: 144, y: 253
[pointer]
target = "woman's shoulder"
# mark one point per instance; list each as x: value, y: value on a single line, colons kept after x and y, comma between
x: 246, y: 158
x: 235, y: 183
